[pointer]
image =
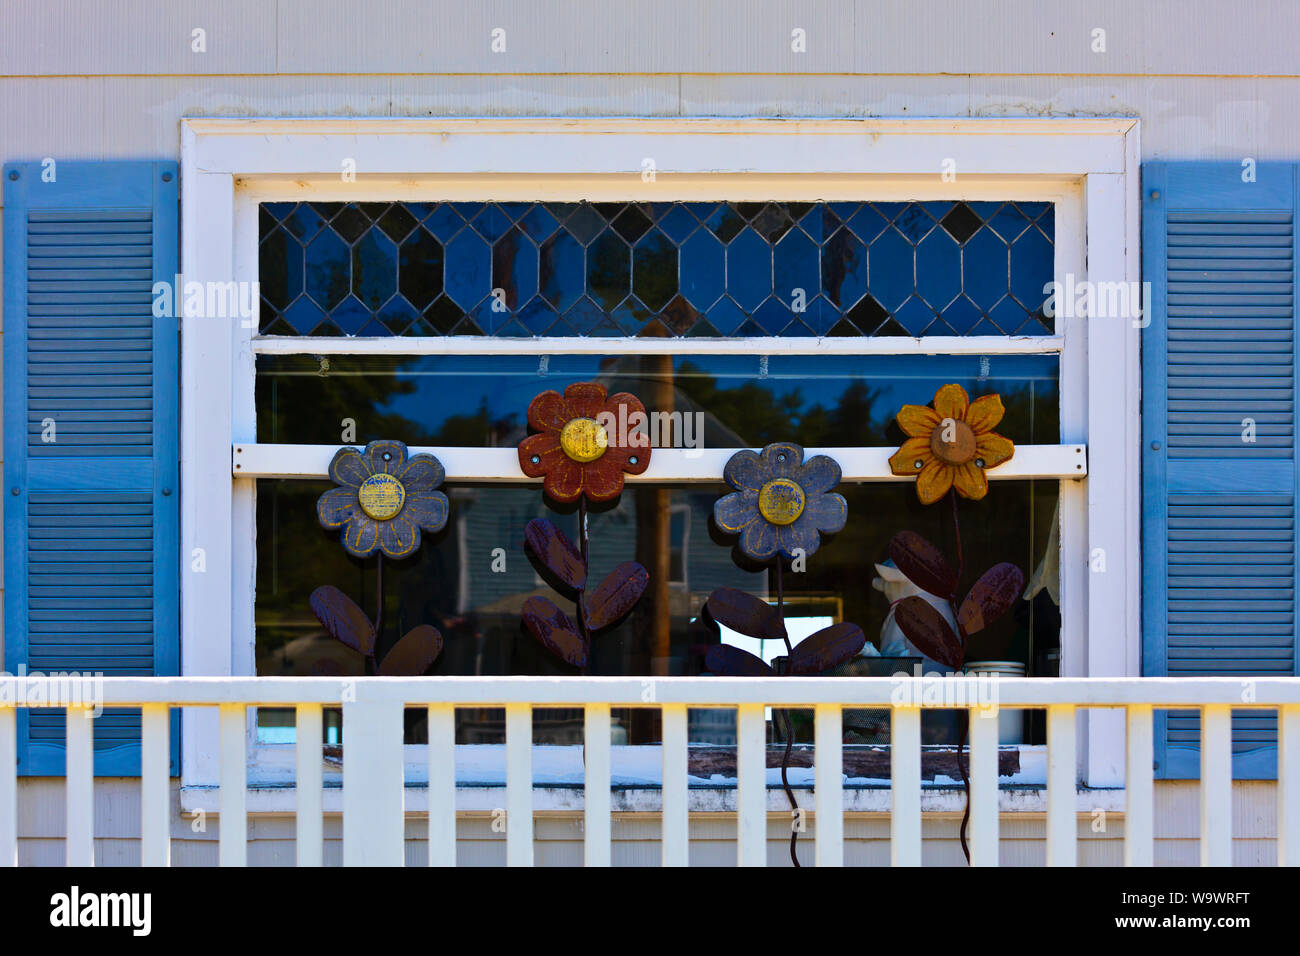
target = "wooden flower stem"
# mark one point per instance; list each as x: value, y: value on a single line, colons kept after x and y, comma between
x: 785, y: 716
x: 379, y: 611
x: 586, y: 568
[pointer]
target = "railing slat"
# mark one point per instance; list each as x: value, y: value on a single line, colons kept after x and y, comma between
x: 1288, y: 785
x: 232, y: 836
x: 80, y: 787
x: 1139, y: 787
x: 8, y: 787
x: 675, y: 819
x: 519, y: 785
x: 374, y: 783
x: 596, y: 821
x: 155, y: 770
x: 309, y: 826
x: 1062, y: 799
x: 983, y: 787
x: 751, y: 785
x: 1216, y: 785
x: 828, y: 758
x: 442, y: 785
x: 905, y: 787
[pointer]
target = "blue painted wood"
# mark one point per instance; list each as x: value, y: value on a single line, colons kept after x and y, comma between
x: 92, y: 516
x: 1220, y: 570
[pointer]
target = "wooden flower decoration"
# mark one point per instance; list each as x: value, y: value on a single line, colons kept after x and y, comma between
x: 951, y: 444
x: 781, y: 503
x: 384, y: 499
x: 586, y: 442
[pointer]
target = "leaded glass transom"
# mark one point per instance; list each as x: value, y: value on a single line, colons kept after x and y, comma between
x: 698, y: 269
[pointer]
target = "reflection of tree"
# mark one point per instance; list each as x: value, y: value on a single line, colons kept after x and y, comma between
x: 297, y: 401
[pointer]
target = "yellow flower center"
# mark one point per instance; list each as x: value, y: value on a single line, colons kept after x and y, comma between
x: 584, y: 439
x: 781, y: 501
x: 381, y: 497
x: 953, y: 442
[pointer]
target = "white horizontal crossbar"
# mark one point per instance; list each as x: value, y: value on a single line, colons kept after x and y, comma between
x: 574, y: 345
x: 694, y: 465
x: 857, y: 692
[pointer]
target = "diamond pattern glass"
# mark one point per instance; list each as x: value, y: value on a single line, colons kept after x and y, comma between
x: 698, y: 269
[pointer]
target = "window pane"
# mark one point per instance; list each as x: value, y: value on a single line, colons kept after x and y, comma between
x: 739, y: 401
x: 677, y: 268
x: 473, y: 593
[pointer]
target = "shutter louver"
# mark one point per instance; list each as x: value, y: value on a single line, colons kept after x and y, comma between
x: 1219, y: 384
x: 91, y: 575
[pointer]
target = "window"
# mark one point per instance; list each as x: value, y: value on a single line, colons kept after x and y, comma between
x: 622, y: 273
x: 1083, y: 170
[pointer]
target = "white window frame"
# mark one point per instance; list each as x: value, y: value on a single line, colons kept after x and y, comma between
x: 1087, y: 167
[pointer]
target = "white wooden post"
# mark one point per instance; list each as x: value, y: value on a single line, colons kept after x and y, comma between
x: 79, y: 781
x: 674, y: 818
x: 232, y: 836
x: 983, y: 786
x: 829, y: 784
x: 442, y: 785
x: 519, y: 785
x: 1139, y: 788
x: 1216, y: 785
x: 8, y: 787
x: 1288, y: 785
x: 905, y: 786
x: 309, y: 829
x: 374, y: 785
x: 1062, y: 774
x: 751, y: 785
x: 596, y: 821
x: 155, y: 773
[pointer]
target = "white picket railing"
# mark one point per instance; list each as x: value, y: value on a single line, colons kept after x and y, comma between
x: 373, y: 771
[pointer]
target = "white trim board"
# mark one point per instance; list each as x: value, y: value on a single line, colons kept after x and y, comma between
x: 698, y: 465
x: 1087, y: 167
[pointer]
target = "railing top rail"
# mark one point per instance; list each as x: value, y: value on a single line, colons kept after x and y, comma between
x: 58, y: 690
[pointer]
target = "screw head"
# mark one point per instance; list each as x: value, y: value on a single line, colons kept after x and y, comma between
x: 14, y: 491
x: 13, y: 174
x: 1155, y: 446
x: 166, y: 177
x: 166, y: 492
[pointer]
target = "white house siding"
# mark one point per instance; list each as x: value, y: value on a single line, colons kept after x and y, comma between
x: 110, y: 80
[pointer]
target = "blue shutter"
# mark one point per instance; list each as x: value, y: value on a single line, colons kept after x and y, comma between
x: 1219, y: 512
x: 90, y: 440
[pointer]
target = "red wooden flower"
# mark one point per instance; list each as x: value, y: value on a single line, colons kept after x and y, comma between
x: 585, y: 442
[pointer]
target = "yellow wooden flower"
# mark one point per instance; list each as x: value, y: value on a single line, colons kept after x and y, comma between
x: 950, y: 445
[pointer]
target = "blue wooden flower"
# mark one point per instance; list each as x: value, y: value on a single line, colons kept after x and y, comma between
x: 781, y: 504
x: 384, y: 498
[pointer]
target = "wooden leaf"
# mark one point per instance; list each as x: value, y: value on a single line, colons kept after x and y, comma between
x: 923, y: 563
x: 992, y: 596
x: 830, y: 647
x: 554, y: 631
x: 727, y: 661
x: 556, y: 552
x: 929, y: 631
x: 413, y: 654
x: 616, y: 595
x: 343, y: 619
x: 745, y: 614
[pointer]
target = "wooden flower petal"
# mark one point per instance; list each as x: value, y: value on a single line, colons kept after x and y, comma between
x: 985, y: 413
x: 994, y: 449
x: 951, y: 401
x: 970, y: 481
x: 585, y: 399
x: 546, y: 448
x: 933, y: 482
x: 917, y: 421
x: 903, y: 462
x: 348, y: 468
x: 413, y: 654
x: 547, y: 412
x: 564, y: 480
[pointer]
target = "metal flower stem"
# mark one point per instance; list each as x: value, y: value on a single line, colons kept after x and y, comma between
x: 379, y: 611
x: 785, y: 716
x: 964, y: 716
x: 586, y: 568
